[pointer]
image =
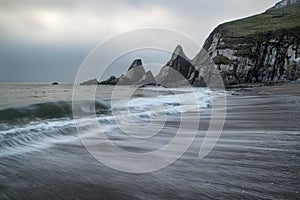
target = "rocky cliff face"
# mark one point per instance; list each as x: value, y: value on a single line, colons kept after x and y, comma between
x: 276, y: 59
x: 262, y: 48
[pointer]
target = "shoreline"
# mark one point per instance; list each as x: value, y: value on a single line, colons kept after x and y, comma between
x: 260, y: 84
x: 257, y: 156
x: 279, y: 88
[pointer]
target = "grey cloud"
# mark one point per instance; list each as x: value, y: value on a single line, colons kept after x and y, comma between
x: 39, y: 38
x: 40, y: 63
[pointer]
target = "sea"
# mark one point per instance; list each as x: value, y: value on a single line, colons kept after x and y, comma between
x: 44, y: 153
x: 34, y: 115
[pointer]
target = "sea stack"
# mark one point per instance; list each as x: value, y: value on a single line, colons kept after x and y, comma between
x: 135, y: 72
x: 177, y: 71
x: 90, y: 82
x: 146, y: 79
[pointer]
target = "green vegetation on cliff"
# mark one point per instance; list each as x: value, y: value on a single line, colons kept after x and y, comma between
x: 272, y: 21
x: 271, y: 24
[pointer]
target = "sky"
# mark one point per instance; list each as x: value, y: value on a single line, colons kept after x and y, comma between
x: 47, y: 40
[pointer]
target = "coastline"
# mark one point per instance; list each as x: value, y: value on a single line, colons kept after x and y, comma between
x: 257, y: 156
x: 276, y: 88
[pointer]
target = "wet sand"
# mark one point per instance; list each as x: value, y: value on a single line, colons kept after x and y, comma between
x: 257, y: 157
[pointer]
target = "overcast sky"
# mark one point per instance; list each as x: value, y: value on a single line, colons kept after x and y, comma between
x: 47, y: 40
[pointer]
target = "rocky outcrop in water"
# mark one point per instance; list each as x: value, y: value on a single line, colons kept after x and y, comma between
x: 134, y: 74
x: 110, y: 81
x: 90, y: 82
x: 146, y: 79
x: 177, y: 71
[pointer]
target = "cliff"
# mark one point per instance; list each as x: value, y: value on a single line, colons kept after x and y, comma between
x: 261, y: 48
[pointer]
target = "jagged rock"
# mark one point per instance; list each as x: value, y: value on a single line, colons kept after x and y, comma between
x: 179, y: 62
x: 170, y: 77
x: 147, y: 78
x: 135, y: 72
x: 135, y: 75
x: 90, y: 82
x: 194, y: 77
x: 110, y: 81
x: 135, y: 63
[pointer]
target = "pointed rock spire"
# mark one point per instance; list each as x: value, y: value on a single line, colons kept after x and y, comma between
x: 178, y: 52
x: 181, y: 62
x: 135, y: 72
x: 136, y: 63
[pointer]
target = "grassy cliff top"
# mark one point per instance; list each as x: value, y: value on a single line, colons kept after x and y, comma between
x: 275, y: 21
x: 270, y: 24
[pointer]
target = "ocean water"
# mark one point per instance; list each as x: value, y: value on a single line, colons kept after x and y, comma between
x: 42, y: 156
x: 37, y: 114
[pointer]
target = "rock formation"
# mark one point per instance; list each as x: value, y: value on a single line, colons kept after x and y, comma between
x: 90, y: 82
x: 110, y: 81
x: 135, y: 75
x: 146, y: 79
x: 135, y: 72
x: 179, y: 62
x: 262, y: 48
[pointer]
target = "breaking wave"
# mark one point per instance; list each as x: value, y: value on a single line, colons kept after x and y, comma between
x: 51, y: 122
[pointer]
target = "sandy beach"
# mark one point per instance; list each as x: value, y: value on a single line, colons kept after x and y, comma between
x: 256, y: 157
